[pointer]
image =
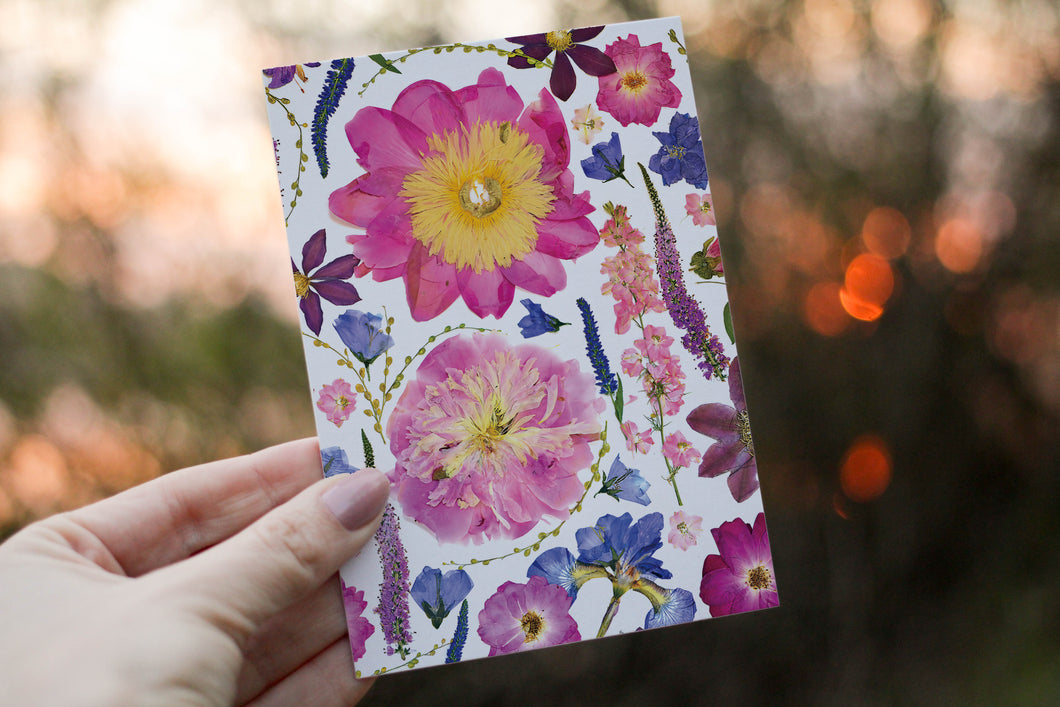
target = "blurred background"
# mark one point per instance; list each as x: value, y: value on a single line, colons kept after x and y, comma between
x: 886, y: 175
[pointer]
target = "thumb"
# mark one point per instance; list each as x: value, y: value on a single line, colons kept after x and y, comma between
x: 286, y: 553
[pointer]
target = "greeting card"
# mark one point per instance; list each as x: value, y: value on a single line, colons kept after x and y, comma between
x: 512, y: 301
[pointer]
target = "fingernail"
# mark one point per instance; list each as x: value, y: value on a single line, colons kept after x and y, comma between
x: 358, y: 498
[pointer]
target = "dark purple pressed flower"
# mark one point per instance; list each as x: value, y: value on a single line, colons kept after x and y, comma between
x: 734, y: 452
x: 283, y: 75
x: 565, y: 43
x: 314, y: 281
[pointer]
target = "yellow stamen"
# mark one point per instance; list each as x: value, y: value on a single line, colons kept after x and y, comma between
x: 559, y: 40
x: 634, y: 81
x: 532, y: 625
x: 758, y: 577
x: 301, y: 285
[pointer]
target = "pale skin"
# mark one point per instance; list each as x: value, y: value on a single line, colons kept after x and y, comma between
x: 213, y: 585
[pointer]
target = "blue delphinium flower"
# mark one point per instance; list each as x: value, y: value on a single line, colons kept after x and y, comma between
x: 623, y: 483
x: 335, y: 462
x: 537, y: 321
x: 681, y: 154
x: 363, y: 335
x: 618, y: 549
x: 607, y: 162
x: 438, y: 594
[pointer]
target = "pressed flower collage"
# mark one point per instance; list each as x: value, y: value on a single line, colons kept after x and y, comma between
x: 512, y: 301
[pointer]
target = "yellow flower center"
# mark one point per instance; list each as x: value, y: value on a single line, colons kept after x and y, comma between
x: 676, y: 151
x: 341, y: 402
x: 301, y: 285
x: 532, y: 625
x: 559, y: 40
x: 682, y: 528
x: 477, y: 199
x: 758, y: 577
x: 634, y: 81
x: 743, y: 424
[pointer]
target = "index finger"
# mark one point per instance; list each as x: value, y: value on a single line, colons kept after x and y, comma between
x: 178, y: 514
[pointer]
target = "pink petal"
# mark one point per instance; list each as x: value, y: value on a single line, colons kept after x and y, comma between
x: 360, y: 201
x: 721, y: 458
x: 430, y: 284
x: 567, y: 239
x: 384, y: 139
x: 543, y: 122
x: 538, y: 273
x: 743, y: 482
x: 491, y: 99
x: 715, y: 420
x: 432, y: 105
x: 485, y: 293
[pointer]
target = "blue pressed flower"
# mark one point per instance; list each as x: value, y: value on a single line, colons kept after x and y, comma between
x: 675, y: 606
x: 327, y: 102
x: 681, y: 154
x: 456, y: 647
x: 334, y: 461
x: 438, y: 594
x: 283, y: 75
x: 623, y: 483
x: 614, y: 542
x: 605, y: 379
x: 607, y: 162
x: 537, y: 321
x: 557, y: 567
x: 315, y: 280
x: 363, y: 335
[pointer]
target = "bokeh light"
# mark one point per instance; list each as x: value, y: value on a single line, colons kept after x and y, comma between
x: 866, y: 469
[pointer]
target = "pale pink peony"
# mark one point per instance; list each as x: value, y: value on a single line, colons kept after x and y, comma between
x: 337, y: 401
x: 490, y: 438
x: 359, y: 627
x: 684, y: 530
x: 641, y: 87
x: 467, y: 194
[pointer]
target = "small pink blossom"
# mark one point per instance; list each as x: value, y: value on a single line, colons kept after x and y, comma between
x: 337, y: 401
x: 636, y: 441
x: 632, y: 364
x: 701, y: 209
x: 359, y: 627
x: 587, y: 123
x: 641, y: 87
x: 679, y: 450
x: 684, y: 530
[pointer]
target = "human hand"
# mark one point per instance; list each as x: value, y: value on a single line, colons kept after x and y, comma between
x: 212, y: 585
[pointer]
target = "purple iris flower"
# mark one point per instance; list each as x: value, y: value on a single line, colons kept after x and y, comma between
x: 314, y: 280
x: 681, y: 154
x: 283, y: 75
x: 537, y: 321
x: 566, y: 44
x: 607, y: 162
x: 335, y: 462
x: 363, y: 335
x: 623, y: 483
x: 439, y: 594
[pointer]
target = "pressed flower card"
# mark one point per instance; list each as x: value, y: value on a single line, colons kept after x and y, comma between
x: 512, y: 301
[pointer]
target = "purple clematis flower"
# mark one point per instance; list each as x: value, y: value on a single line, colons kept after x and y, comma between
x: 438, y: 594
x: 734, y: 452
x: 314, y: 281
x: 681, y: 154
x: 566, y: 43
x: 283, y: 75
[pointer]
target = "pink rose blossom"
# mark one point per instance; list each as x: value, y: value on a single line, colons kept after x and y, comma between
x: 490, y: 438
x: 636, y: 441
x: 467, y: 194
x: 337, y: 401
x: 679, y: 450
x: 521, y: 617
x: 641, y: 87
x: 740, y: 578
x: 701, y: 209
x: 684, y: 530
x: 359, y: 627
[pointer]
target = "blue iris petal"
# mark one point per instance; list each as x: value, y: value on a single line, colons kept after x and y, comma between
x: 438, y: 594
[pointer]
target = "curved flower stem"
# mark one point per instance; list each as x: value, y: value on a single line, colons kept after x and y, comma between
x: 412, y: 662
x: 671, y: 476
x: 302, y: 156
x: 468, y: 48
x: 525, y: 551
x: 612, y: 609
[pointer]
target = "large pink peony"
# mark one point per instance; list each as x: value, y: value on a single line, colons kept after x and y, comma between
x: 490, y: 438
x: 467, y: 194
x: 641, y: 87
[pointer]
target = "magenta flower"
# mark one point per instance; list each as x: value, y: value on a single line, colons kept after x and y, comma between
x: 337, y: 401
x: 468, y: 193
x: 641, y: 87
x: 359, y: 627
x: 521, y: 617
x: 701, y: 209
x: 315, y: 280
x: 734, y: 452
x: 740, y: 578
x: 684, y: 530
x: 566, y: 43
x: 490, y: 438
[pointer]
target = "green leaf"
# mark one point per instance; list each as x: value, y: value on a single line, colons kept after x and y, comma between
x: 384, y: 62
x: 727, y: 316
